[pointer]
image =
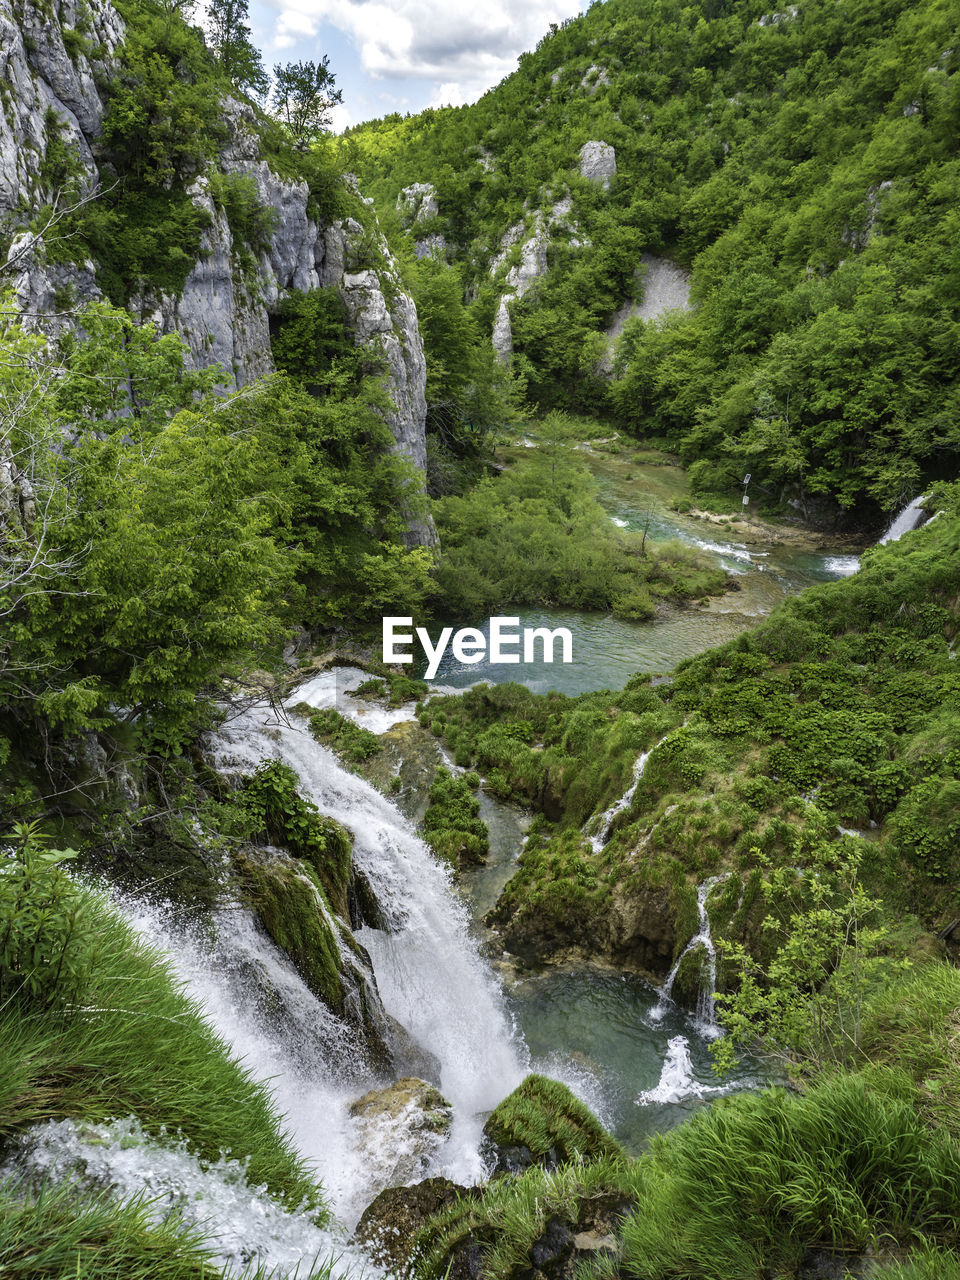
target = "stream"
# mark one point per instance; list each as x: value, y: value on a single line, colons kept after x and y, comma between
x: 608, y: 650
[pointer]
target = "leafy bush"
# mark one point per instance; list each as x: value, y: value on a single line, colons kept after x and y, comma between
x: 47, y: 937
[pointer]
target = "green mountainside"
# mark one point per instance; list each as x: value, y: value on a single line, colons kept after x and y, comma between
x: 802, y: 165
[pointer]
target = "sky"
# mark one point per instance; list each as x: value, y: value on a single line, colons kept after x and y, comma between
x: 408, y: 54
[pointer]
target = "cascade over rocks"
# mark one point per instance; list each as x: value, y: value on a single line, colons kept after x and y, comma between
x: 223, y: 311
x: 403, y: 1126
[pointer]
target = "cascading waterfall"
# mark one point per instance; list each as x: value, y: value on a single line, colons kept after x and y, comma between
x: 430, y: 978
x: 706, y: 1013
x: 905, y: 520
x: 607, y: 817
x: 428, y: 970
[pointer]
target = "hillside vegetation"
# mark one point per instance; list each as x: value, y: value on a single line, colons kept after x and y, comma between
x: 802, y: 164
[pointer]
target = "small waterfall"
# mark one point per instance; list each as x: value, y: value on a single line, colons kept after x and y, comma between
x: 618, y: 806
x: 905, y: 520
x: 706, y: 1013
x: 678, y: 1082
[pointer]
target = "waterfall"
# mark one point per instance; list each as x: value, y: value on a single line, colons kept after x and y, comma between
x: 905, y: 520
x: 618, y: 806
x: 429, y: 973
x: 678, y: 1081
x: 706, y: 1013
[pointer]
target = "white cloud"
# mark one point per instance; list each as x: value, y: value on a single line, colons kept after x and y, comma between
x: 462, y: 45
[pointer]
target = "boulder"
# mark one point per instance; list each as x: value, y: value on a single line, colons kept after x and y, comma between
x: 543, y: 1122
x: 402, y: 1128
x: 389, y: 1225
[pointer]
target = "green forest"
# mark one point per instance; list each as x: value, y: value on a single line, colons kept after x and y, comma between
x: 312, y: 968
x: 802, y: 166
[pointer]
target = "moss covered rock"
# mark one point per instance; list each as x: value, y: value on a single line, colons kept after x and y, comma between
x: 288, y: 902
x: 542, y: 1122
x: 389, y: 1225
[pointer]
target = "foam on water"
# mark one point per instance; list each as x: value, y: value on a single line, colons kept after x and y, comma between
x: 241, y: 1225
x: 677, y: 1081
x: 335, y: 688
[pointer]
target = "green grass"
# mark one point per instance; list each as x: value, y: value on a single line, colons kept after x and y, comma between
x: 751, y: 1184
x: 452, y: 825
x: 65, y: 1232
x: 132, y: 1042
x: 512, y: 1213
x: 544, y: 1116
x: 350, y: 741
x: 61, y: 1233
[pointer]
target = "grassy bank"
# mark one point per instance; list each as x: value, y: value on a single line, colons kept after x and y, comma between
x: 93, y: 1026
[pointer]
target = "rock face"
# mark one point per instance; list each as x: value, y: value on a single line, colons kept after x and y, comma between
x: 598, y: 162
x: 418, y: 202
x: 665, y: 286
x: 223, y: 310
x: 402, y: 1127
x: 638, y: 932
x: 533, y: 239
x: 417, y: 205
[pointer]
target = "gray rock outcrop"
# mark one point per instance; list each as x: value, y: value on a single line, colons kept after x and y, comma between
x: 417, y: 202
x: 598, y: 162
x: 223, y: 310
x: 533, y: 238
x: 665, y: 287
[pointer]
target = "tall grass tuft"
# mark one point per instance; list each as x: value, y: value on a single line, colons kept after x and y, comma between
x: 757, y: 1181
x: 130, y: 1041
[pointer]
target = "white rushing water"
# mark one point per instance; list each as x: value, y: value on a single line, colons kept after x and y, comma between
x: 242, y: 1226
x: 678, y: 1081
x: 618, y: 806
x: 430, y: 976
x: 701, y: 940
x: 336, y: 687
x: 606, y: 818
x: 905, y: 520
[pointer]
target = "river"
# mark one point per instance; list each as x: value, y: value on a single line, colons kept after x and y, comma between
x: 638, y: 1060
x: 608, y: 650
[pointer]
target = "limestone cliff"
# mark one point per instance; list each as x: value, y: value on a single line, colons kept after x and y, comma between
x: 52, y: 83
